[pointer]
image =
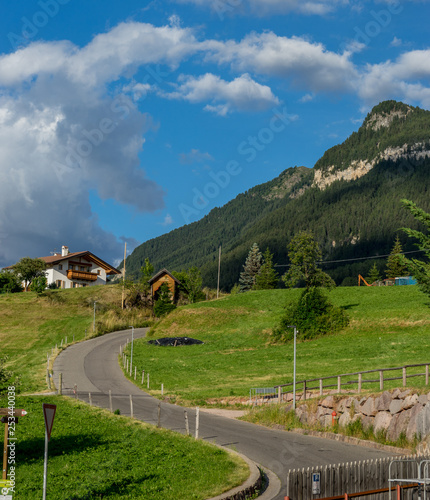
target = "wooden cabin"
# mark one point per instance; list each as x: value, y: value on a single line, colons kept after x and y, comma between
x: 161, y: 277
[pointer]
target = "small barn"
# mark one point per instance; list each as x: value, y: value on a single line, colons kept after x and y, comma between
x: 164, y: 276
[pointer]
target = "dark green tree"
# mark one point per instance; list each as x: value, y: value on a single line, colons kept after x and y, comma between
x: 190, y: 284
x: 163, y: 305
x: 419, y: 269
x: 9, y: 282
x: 39, y: 284
x: 267, y: 278
x: 396, y: 265
x: 27, y: 269
x: 373, y: 274
x: 304, y: 254
x: 251, y: 268
x: 313, y: 315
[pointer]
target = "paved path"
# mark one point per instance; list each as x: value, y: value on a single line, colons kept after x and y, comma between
x: 93, y: 367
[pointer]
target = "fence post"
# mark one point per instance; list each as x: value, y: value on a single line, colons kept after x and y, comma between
x: 304, y: 390
x: 60, y: 388
x: 143, y: 375
x: 279, y: 394
x: 135, y: 372
x: 359, y: 382
x: 187, y: 425
x: 427, y: 374
x: 404, y: 376
x: 147, y: 379
x: 321, y: 387
x: 131, y: 406
x: 110, y: 400
x: 159, y: 414
x: 90, y: 399
x: 197, y: 422
x: 381, y: 380
x: 338, y: 385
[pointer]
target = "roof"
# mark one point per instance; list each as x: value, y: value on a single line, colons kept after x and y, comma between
x: 161, y: 273
x: 55, y: 259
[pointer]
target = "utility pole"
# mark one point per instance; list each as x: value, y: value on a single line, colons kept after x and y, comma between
x: 123, y: 276
x: 219, y: 271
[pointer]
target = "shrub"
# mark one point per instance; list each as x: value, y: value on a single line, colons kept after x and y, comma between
x: 313, y: 315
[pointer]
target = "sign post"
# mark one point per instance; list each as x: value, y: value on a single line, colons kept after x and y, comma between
x: 48, y: 414
x: 9, y: 415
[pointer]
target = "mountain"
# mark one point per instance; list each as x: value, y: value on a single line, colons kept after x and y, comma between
x: 350, y: 200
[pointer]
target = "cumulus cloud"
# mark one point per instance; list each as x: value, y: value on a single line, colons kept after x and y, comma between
x: 297, y: 59
x: 243, y: 93
x: 64, y: 133
x: 402, y: 79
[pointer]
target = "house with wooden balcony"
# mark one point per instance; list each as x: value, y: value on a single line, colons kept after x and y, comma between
x: 77, y: 269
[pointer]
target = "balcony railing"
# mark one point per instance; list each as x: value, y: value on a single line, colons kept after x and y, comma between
x: 81, y: 275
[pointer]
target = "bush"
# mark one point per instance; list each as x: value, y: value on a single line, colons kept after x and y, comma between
x: 313, y: 315
x: 162, y: 308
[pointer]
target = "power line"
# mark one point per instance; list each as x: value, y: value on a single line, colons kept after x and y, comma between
x: 357, y: 258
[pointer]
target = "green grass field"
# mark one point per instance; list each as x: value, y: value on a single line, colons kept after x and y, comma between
x: 95, y: 454
x: 390, y: 327
x: 30, y: 326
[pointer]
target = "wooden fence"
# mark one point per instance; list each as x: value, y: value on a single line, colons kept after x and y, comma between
x: 354, y: 380
x: 354, y: 477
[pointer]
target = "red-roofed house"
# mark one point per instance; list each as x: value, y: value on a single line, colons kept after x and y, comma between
x: 77, y: 269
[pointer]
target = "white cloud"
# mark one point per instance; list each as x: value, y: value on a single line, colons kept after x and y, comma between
x: 268, y: 7
x: 168, y: 220
x: 243, y: 93
x: 304, y: 63
x: 396, y: 42
x: 405, y: 79
x: 194, y: 156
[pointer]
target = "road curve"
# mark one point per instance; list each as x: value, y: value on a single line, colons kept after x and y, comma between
x: 92, y: 366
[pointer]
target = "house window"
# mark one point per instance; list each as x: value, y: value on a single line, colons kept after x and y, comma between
x: 98, y: 272
x: 82, y: 268
x: 60, y: 267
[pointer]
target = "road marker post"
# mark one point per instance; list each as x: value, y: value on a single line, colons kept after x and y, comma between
x: 49, y: 415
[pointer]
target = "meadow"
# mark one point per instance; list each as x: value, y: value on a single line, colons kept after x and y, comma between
x: 389, y: 327
x: 95, y: 454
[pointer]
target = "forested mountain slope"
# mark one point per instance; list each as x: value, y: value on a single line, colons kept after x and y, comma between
x: 350, y: 200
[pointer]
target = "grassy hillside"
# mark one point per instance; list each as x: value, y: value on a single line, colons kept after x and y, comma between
x: 390, y: 326
x: 31, y: 325
x: 95, y: 454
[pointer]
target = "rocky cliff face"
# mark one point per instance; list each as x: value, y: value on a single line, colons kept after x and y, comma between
x: 379, y: 120
x: 358, y: 168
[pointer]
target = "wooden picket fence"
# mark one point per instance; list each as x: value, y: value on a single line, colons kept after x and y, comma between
x: 354, y: 477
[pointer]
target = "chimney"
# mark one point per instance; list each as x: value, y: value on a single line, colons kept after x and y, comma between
x: 64, y: 251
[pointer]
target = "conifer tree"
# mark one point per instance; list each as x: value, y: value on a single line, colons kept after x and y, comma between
x: 419, y: 269
x: 396, y: 261
x: 251, y: 268
x: 304, y: 254
x: 267, y: 278
x: 373, y: 274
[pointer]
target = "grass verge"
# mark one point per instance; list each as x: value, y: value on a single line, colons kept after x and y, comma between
x: 94, y: 454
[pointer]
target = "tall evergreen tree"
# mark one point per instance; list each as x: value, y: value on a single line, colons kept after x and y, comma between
x: 373, y: 274
x: 396, y: 262
x: 267, y: 278
x: 419, y: 269
x: 304, y: 253
x: 251, y: 268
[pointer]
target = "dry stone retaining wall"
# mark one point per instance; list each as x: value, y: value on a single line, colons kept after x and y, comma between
x: 395, y: 412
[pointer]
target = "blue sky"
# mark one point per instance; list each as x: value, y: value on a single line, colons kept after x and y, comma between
x: 121, y: 121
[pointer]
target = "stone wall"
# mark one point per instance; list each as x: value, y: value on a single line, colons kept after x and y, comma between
x: 395, y: 412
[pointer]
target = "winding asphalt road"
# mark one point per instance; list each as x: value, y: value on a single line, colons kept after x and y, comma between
x: 92, y: 366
